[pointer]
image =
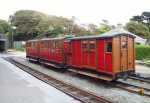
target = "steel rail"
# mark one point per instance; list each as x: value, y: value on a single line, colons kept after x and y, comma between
x: 139, y: 79
x: 133, y: 88
x: 73, y: 91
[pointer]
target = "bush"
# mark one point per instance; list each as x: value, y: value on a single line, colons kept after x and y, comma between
x: 142, y: 52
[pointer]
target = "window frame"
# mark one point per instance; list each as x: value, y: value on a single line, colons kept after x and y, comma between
x: 93, y: 43
x: 85, y: 45
x: 108, y: 50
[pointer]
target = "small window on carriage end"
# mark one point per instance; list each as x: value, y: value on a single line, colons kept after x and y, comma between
x: 109, y: 47
x: 124, y: 44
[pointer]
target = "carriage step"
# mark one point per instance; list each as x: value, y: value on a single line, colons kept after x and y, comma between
x: 93, y: 75
x: 52, y: 65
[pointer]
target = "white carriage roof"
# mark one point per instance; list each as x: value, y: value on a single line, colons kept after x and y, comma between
x: 110, y: 33
x: 34, y: 40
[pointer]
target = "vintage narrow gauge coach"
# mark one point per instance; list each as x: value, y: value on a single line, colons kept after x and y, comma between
x: 107, y: 56
x: 32, y: 49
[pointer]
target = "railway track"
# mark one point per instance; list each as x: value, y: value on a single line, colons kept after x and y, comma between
x: 119, y: 84
x: 75, y: 92
x: 142, y: 79
x: 133, y: 88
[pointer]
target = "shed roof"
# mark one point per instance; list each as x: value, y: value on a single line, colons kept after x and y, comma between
x: 111, y: 33
x: 2, y: 39
x: 2, y: 36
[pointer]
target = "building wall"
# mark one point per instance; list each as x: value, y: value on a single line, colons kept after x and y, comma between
x: 19, y: 44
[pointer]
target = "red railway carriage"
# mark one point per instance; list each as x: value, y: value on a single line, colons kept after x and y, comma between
x: 32, y: 49
x: 107, y: 56
x: 51, y: 49
x: 111, y: 53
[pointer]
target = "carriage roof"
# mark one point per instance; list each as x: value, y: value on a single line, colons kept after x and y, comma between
x: 112, y: 33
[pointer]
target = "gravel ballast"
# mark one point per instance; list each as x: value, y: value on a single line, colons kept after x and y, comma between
x: 115, y: 94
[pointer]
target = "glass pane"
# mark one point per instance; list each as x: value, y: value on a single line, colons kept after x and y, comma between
x: 109, y: 47
x: 92, y: 46
x: 85, y: 45
x: 124, y: 44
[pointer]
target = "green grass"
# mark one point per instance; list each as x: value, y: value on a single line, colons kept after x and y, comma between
x: 142, y: 52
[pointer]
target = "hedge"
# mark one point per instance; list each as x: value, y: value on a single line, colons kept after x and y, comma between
x: 142, y: 52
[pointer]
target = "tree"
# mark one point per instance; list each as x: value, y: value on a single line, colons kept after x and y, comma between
x: 138, y: 28
x: 78, y: 30
x: 4, y: 26
x: 27, y: 24
x: 104, y: 27
x: 140, y: 25
x: 143, y: 18
x: 92, y: 28
x: 30, y: 24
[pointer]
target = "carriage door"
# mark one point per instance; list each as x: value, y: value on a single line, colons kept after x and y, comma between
x: 67, y: 52
x: 124, y: 53
x: 85, y: 52
x: 92, y: 54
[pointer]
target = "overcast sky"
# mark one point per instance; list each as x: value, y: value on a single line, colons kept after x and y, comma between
x: 87, y: 11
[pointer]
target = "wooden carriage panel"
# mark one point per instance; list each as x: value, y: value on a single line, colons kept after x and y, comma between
x: 100, y: 55
x: 59, y: 51
x: 92, y: 53
x: 40, y: 48
x: 44, y: 49
x: 28, y: 48
x: 108, y: 62
x: 76, y: 53
x: 55, y: 51
x: 67, y: 52
x: 116, y: 54
x: 52, y: 50
x: 124, y: 53
x: 130, y: 53
x: 34, y: 49
x: 89, y: 53
x: 49, y: 50
x: 85, y: 53
x: 108, y: 55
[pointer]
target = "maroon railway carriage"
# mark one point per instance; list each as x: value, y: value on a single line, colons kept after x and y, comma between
x: 107, y: 56
x: 32, y: 49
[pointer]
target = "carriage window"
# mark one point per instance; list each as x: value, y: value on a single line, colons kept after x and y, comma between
x: 33, y: 44
x: 28, y: 44
x: 41, y: 44
x: 124, y: 44
x: 109, y: 47
x: 58, y: 44
x: 92, y: 46
x: 46, y: 44
x: 84, y: 45
x: 53, y: 44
